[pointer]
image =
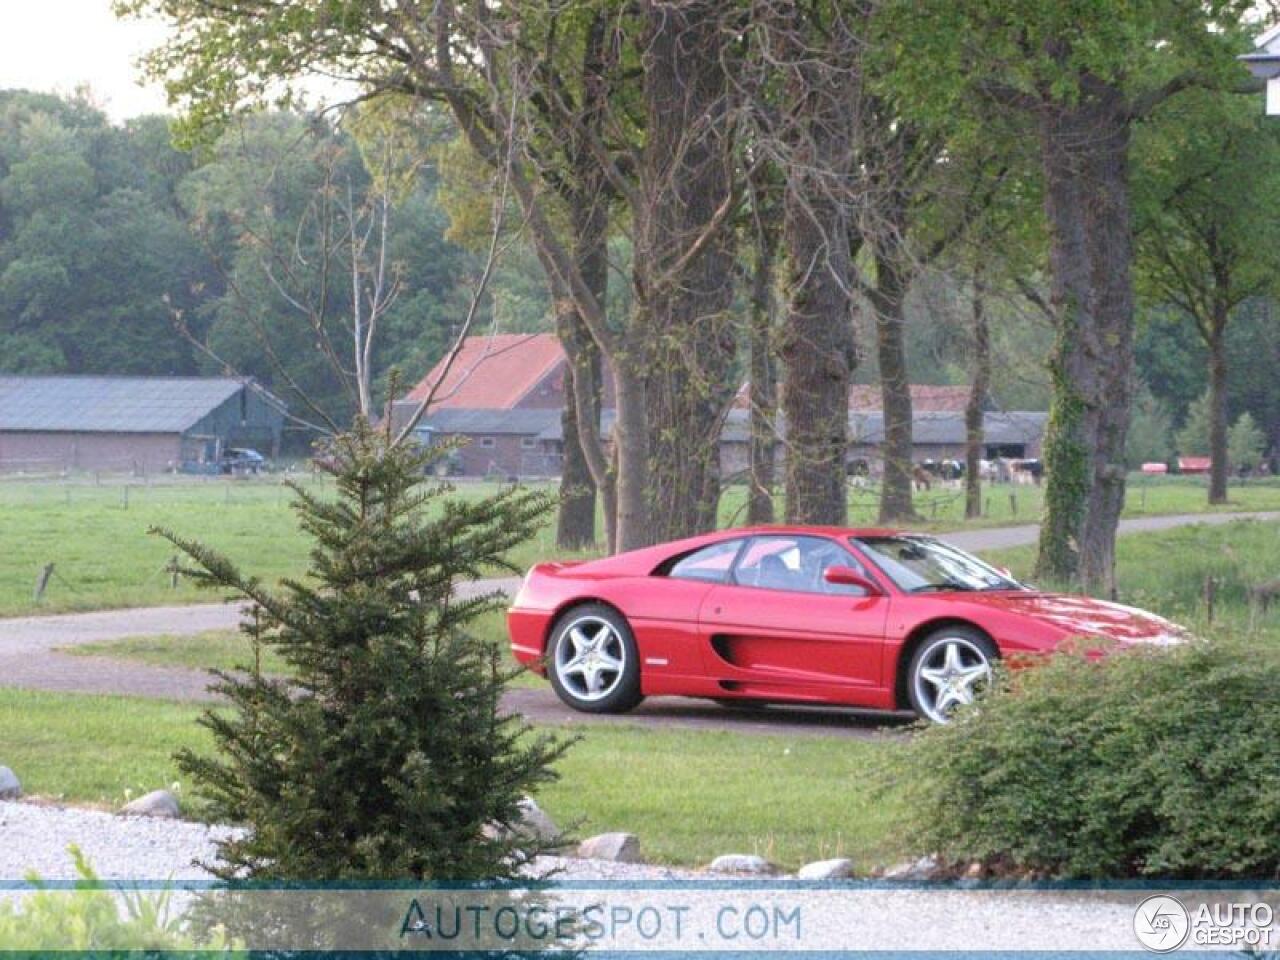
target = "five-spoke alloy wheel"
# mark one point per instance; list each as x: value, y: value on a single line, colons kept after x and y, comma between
x: 952, y: 668
x: 593, y: 662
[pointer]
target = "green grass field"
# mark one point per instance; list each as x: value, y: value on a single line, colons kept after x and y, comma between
x: 1167, y: 571
x: 230, y: 649
x: 689, y: 795
x: 95, y: 535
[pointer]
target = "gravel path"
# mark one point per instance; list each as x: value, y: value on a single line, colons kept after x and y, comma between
x: 132, y: 849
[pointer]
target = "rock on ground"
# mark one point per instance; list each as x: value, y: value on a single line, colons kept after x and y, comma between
x: 10, y: 788
x: 742, y: 863
x: 835, y: 869
x: 618, y: 847
x: 535, y: 822
x: 923, y: 869
x: 157, y: 803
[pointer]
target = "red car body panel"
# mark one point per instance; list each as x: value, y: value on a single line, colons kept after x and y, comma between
x: 723, y: 640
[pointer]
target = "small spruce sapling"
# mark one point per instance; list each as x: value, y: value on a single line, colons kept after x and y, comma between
x: 386, y: 755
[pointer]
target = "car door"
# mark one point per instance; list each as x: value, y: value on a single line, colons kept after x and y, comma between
x: 776, y: 628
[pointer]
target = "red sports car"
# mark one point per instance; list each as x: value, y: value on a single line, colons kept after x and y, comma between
x: 820, y: 615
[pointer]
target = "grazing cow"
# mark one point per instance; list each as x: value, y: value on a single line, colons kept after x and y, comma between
x: 921, y: 478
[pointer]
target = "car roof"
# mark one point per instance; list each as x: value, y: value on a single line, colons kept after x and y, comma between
x: 799, y: 529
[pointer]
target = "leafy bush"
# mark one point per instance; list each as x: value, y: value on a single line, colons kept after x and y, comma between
x: 384, y: 755
x: 88, y: 919
x: 1147, y: 763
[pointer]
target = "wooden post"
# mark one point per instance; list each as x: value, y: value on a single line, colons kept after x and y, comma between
x: 42, y: 582
x: 174, y: 570
x: 1210, y: 594
x: 1013, y: 503
x: 124, y: 498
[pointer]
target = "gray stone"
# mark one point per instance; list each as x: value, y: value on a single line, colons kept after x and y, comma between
x: 742, y: 863
x: 922, y: 869
x: 10, y: 787
x: 157, y: 803
x: 836, y: 869
x: 535, y: 823
x: 618, y: 847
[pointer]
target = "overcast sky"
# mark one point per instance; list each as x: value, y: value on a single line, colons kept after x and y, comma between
x: 57, y: 45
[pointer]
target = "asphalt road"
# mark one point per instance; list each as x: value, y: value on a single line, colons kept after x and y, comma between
x: 29, y: 656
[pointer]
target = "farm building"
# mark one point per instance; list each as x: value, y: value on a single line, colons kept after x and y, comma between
x: 503, y: 397
x: 135, y: 424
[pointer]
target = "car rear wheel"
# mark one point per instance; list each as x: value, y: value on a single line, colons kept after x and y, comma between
x: 951, y: 669
x: 594, y: 664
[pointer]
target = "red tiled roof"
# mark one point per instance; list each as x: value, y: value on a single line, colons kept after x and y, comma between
x: 925, y: 398
x: 492, y: 371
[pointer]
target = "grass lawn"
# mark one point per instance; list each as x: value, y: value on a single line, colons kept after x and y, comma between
x: 230, y: 649
x: 1166, y: 572
x: 689, y: 795
x: 96, y: 534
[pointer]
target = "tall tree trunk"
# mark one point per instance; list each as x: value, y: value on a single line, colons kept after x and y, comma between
x: 973, y: 412
x: 817, y: 346
x: 888, y: 300
x: 684, y: 261
x: 579, y: 482
x: 763, y: 395
x: 576, y: 520
x: 817, y: 356
x: 1085, y: 156
x: 1218, y: 405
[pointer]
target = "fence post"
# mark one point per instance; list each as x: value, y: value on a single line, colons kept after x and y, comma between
x: 174, y: 569
x: 42, y: 582
x: 1013, y: 503
x: 1210, y: 594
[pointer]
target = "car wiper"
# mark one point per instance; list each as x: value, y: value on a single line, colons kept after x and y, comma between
x: 945, y: 585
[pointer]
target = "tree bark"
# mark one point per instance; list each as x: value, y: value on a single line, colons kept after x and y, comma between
x: 973, y: 412
x: 887, y: 299
x: 817, y: 347
x: 684, y: 261
x: 1084, y: 150
x: 1218, y: 405
x: 763, y: 395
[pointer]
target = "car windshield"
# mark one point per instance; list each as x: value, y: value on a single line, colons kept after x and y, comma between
x: 923, y: 564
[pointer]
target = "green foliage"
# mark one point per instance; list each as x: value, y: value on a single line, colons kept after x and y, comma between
x: 1156, y: 762
x: 88, y: 919
x: 1245, y: 443
x: 1193, y: 438
x: 384, y: 756
x: 1150, y: 429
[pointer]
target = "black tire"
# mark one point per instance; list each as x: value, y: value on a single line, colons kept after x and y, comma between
x: 962, y: 658
x: 619, y: 688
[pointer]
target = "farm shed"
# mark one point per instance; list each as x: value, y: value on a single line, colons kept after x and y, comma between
x: 136, y: 424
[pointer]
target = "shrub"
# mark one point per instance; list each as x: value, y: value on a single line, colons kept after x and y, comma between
x: 89, y: 919
x: 1147, y: 763
x: 384, y: 756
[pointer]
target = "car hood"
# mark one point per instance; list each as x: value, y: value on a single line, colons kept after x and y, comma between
x: 1085, y: 616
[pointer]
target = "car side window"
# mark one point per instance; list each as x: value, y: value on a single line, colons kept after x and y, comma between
x: 795, y: 563
x: 710, y: 564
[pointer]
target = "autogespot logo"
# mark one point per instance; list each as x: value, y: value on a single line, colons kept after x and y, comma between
x: 1161, y: 923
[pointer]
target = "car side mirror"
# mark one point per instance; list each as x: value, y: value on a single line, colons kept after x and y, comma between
x: 849, y: 577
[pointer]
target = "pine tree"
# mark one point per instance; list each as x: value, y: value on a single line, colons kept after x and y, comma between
x: 385, y: 756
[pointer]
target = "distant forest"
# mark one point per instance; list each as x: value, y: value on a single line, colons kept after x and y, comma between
x: 120, y: 253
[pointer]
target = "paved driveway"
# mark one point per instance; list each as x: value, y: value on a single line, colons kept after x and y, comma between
x: 29, y: 659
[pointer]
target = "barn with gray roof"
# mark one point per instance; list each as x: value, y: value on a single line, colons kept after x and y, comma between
x: 54, y: 424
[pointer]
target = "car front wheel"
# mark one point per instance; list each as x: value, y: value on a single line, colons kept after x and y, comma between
x: 951, y: 669
x: 594, y: 663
